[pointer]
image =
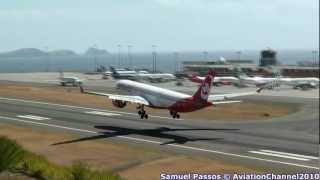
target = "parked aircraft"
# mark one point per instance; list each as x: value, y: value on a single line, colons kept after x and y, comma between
x: 65, y: 80
x: 141, y: 75
x: 222, y: 80
x: 301, y: 83
x: 160, y: 98
x: 123, y: 74
x: 271, y: 82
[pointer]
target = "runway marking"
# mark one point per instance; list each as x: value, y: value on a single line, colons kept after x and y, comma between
x: 102, y: 113
x: 78, y: 107
x: 37, y: 118
x: 279, y: 155
x: 290, y: 154
x: 157, y: 142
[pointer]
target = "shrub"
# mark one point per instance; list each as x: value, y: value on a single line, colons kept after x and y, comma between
x: 11, y: 154
x: 38, y: 167
x: 81, y: 171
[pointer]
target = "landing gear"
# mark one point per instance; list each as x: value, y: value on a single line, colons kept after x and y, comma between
x: 142, y: 112
x: 175, y: 115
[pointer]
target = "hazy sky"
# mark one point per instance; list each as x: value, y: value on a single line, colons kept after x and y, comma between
x: 172, y: 25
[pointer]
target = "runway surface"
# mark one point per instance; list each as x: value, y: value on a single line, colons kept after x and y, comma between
x: 290, y: 143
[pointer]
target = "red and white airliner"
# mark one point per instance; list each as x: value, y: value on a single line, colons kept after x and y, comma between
x: 176, y: 102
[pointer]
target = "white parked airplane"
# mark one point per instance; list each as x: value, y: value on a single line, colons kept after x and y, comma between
x: 176, y: 102
x: 303, y: 83
x: 219, y: 80
x: 73, y: 80
x: 256, y: 81
x: 141, y: 75
x: 65, y: 80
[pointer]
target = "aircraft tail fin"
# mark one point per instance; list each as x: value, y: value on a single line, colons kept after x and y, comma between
x: 203, y: 92
x: 113, y: 70
x: 194, y: 78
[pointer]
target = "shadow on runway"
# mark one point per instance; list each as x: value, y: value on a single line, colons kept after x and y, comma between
x: 157, y: 133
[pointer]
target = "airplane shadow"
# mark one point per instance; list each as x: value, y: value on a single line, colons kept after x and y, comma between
x: 160, y: 132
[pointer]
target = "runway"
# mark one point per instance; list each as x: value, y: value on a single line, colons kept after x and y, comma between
x: 288, y: 144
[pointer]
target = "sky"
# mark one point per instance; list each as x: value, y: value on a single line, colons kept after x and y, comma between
x: 170, y: 25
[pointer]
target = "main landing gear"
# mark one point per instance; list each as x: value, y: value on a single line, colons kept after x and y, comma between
x: 175, y: 114
x: 142, y: 113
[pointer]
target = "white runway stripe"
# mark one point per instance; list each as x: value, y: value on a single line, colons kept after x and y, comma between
x: 102, y: 113
x: 279, y: 155
x: 290, y: 154
x: 37, y: 118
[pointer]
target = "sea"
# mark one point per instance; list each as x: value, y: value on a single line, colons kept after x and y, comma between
x: 165, y: 61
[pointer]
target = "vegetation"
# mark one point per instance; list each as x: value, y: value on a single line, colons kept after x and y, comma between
x: 11, y: 154
x: 15, y: 159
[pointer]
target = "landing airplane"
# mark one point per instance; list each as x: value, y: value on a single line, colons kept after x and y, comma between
x: 160, y: 98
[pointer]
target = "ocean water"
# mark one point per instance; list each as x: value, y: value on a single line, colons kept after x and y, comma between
x: 166, y: 62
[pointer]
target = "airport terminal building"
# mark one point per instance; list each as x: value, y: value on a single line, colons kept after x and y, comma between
x: 268, y: 67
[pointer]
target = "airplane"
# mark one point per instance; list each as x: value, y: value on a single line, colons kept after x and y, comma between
x: 222, y: 80
x: 156, y: 77
x: 302, y: 83
x: 141, y: 75
x: 271, y: 82
x: 160, y: 98
x: 256, y: 81
x: 65, y: 80
x: 123, y: 74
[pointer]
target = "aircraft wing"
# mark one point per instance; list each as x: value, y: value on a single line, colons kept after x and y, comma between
x: 131, y: 99
x: 219, y: 97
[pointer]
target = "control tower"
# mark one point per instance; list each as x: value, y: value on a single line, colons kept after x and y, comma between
x: 268, y: 58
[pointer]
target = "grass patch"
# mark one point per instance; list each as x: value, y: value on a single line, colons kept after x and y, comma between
x: 11, y: 153
x: 16, y: 159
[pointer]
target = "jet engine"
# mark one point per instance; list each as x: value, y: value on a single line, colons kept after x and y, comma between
x: 119, y: 104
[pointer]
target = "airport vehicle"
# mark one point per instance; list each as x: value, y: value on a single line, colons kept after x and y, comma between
x: 106, y: 74
x: 222, y: 80
x: 160, y: 98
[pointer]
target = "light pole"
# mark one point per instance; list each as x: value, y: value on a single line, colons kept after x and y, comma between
x: 314, y: 57
x: 239, y: 55
x: 205, y: 55
x: 119, y: 55
x: 129, y: 56
x: 95, y: 64
x: 154, y: 58
x: 47, y: 68
x: 176, y: 61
